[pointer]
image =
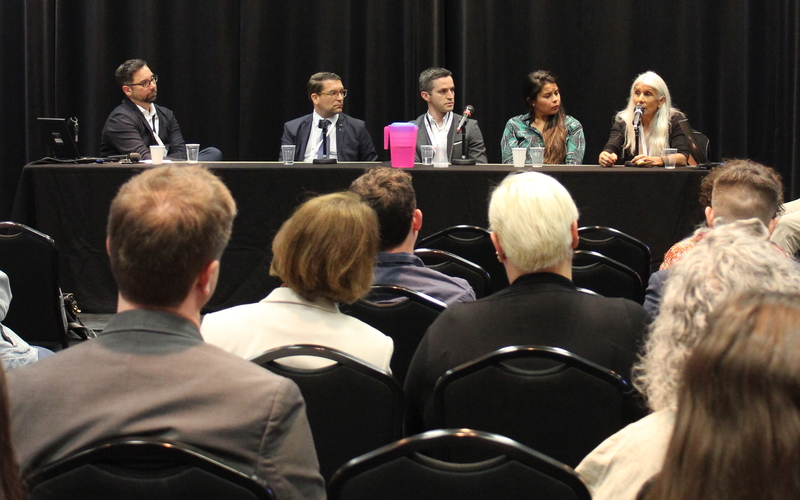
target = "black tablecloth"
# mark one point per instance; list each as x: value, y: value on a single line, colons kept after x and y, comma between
x: 70, y: 203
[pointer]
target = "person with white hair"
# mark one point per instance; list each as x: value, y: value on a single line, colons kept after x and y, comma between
x: 659, y: 127
x: 534, y: 224
x: 731, y: 259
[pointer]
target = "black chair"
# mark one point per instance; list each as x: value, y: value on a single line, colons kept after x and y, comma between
x: 134, y: 469
x: 458, y: 267
x: 30, y: 259
x: 402, y: 314
x: 546, y: 398
x: 352, y: 407
x: 606, y: 276
x: 401, y: 471
x: 473, y: 244
x: 617, y: 245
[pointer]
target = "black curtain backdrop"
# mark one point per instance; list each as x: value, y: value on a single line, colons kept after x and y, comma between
x: 234, y: 72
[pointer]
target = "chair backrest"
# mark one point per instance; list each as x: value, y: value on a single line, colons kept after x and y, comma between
x: 142, y: 468
x: 401, y: 471
x: 352, y: 407
x: 405, y: 318
x: 458, y: 267
x: 473, y: 244
x: 606, y: 276
x: 546, y: 398
x: 30, y: 259
x: 617, y: 245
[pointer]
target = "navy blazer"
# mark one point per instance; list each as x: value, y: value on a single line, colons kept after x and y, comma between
x: 476, y: 149
x: 127, y: 131
x: 353, y: 142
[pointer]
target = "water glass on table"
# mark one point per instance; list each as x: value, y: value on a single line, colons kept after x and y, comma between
x: 287, y: 153
x: 537, y: 156
x: 669, y: 157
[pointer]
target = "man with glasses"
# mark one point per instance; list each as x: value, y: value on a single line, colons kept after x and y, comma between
x: 138, y: 123
x: 439, y: 124
x: 345, y: 138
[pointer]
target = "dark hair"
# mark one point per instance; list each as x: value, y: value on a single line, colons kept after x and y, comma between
x: 554, y: 133
x: 10, y: 485
x: 737, y: 428
x: 390, y: 193
x: 315, y: 83
x: 327, y: 248
x: 164, y: 226
x: 427, y: 77
x: 125, y: 71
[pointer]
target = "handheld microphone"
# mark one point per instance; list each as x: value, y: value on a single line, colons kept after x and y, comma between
x: 466, y: 116
x: 637, y: 116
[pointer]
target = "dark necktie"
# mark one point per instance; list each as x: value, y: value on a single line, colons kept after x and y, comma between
x: 323, y: 149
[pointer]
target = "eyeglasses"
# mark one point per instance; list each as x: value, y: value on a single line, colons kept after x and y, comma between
x: 335, y: 93
x: 145, y: 84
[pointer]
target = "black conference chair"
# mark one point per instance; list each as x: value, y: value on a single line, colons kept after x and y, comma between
x: 352, y: 407
x: 606, y: 276
x: 30, y: 259
x: 401, y: 471
x: 402, y: 314
x: 142, y: 469
x: 617, y: 245
x: 546, y: 398
x: 473, y: 244
x: 458, y: 267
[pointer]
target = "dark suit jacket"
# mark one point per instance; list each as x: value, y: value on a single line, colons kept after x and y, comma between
x: 150, y: 374
x: 475, y: 148
x: 537, y: 309
x: 353, y: 142
x: 127, y: 131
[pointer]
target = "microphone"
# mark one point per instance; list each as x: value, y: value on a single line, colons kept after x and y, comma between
x: 134, y: 157
x: 637, y: 116
x: 465, y: 116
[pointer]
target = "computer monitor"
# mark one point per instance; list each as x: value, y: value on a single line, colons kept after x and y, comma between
x: 58, y: 138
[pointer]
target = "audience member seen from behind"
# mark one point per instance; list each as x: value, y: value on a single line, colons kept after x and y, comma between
x: 737, y: 428
x: 546, y: 124
x: 150, y: 373
x: 324, y: 253
x: 13, y: 350
x: 738, y: 190
x: 732, y: 259
x: 10, y: 486
x: 659, y: 127
x: 534, y: 225
x: 390, y: 193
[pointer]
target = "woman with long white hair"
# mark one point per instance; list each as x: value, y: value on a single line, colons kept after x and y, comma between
x: 650, y: 108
